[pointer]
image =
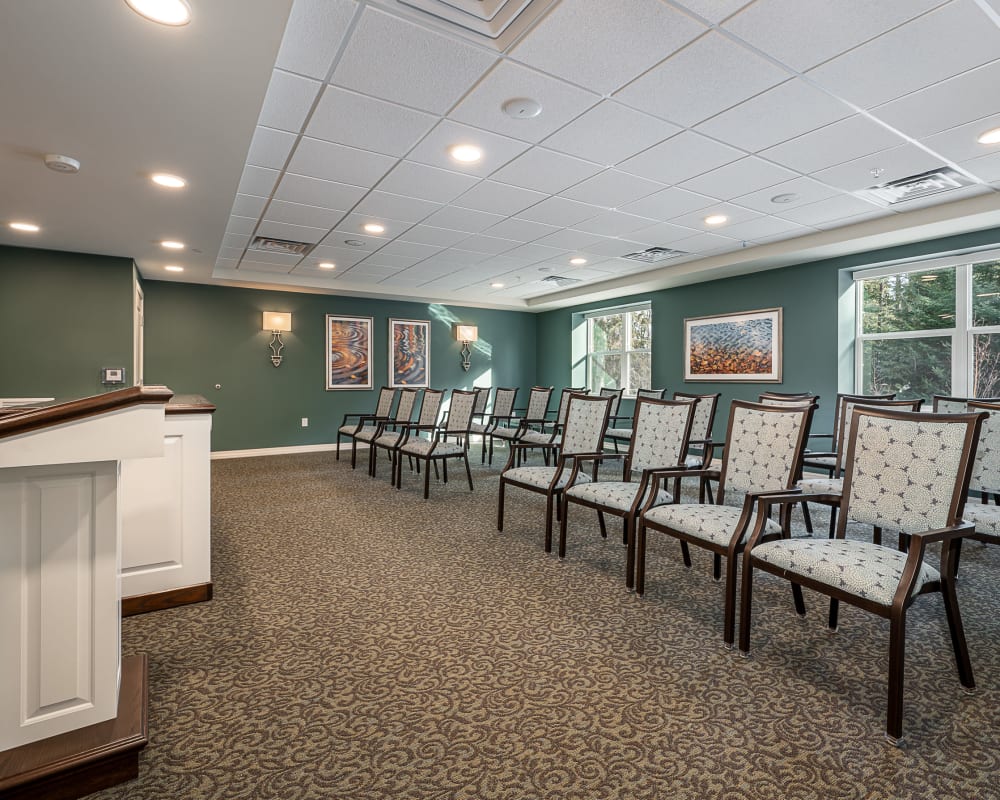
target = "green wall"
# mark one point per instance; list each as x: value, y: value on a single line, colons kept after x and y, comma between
x: 818, y: 346
x: 199, y: 336
x: 65, y: 315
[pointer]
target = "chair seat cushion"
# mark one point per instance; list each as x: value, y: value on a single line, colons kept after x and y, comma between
x: 477, y: 427
x: 389, y: 440
x: 618, y: 433
x: 820, y: 461
x: 506, y: 433
x: 541, y: 477
x: 863, y: 569
x: 614, y: 494
x: 822, y: 485
x: 422, y: 447
x: 715, y: 524
x: 536, y: 437
x: 985, y: 518
x: 367, y: 433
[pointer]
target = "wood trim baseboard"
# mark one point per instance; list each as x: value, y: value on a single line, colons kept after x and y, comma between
x: 283, y: 451
x: 84, y: 761
x: 170, y: 598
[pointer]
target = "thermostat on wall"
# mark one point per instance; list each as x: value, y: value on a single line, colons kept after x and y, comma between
x: 111, y: 375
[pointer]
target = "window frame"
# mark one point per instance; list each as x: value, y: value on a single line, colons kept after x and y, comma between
x: 626, y: 351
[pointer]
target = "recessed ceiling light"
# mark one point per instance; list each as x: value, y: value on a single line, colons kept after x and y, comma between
x: 991, y: 136
x: 170, y: 244
x: 466, y: 153
x: 173, y: 268
x: 716, y: 219
x: 27, y: 227
x: 166, y: 12
x: 327, y: 265
x: 169, y: 181
x: 787, y: 197
x: 374, y: 227
x: 496, y: 285
x: 577, y: 261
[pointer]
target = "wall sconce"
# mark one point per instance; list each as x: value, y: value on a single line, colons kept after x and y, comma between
x: 466, y: 334
x: 277, y: 322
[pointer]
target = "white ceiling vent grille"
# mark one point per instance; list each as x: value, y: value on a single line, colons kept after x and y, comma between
x: 654, y: 254
x: 496, y: 23
x: 268, y: 245
x: 559, y: 280
x: 935, y: 181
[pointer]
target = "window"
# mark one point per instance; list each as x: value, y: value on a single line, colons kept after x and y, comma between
x: 619, y: 348
x: 933, y: 329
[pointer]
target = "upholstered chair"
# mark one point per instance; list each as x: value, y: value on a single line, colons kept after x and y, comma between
x: 583, y: 433
x: 700, y: 448
x: 905, y: 471
x: 943, y: 404
x: 503, y: 408
x: 394, y: 433
x: 827, y: 460
x: 512, y: 427
x: 404, y: 412
x: 616, y: 399
x: 763, y: 453
x: 450, y: 440
x: 354, y: 424
x: 659, y: 441
x: 545, y: 435
x: 620, y: 426
x: 986, y: 474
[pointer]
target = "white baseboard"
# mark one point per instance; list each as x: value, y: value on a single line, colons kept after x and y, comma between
x: 283, y: 451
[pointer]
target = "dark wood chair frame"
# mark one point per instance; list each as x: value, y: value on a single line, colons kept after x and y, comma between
x: 705, y: 443
x: 937, y: 399
x: 363, y: 418
x: 614, y: 419
x: 404, y: 428
x: 440, y: 433
x: 501, y: 410
x: 518, y: 421
x: 842, y: 399
x: 549, y: 430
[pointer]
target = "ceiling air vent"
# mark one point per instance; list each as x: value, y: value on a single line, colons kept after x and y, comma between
x: 935, y: 181
x: 268, y: 245
x: 495, y: 23
x: 654, y: 254
x: 559, y: 280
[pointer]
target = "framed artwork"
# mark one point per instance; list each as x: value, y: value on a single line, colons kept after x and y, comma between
x: 348, y: 352
x: 409, y: 353
x: 734, y: 347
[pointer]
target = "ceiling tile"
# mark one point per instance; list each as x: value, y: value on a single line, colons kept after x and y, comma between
x: 497, y: 150
x: 241, y: 225
x: 696, y: 219
x: 315, y: 192
x: 706, y: 77
x: 359, y: 121
x: 601, y: 45
x: 707, y: 243
x: 808, y: 191
x: 335, y: 162
x: 270, y: 148
x: 394, y: 206
x: 950, y: 40
x: 263, y: 267
x: 670, y: 202
x: 426, y: 183
x: 350, y: 232
x: 387, y: 262
x: 775, y: 26
x: 610, y: 132
x: 899, y: 162
x: 660, y: 234
x: 715, y: 10
x: 985, y: 168
x: 533, y: 253
x: 521, y: 230
x: 463, y: 219
x: 410, y: 249
x: 570, y: 239
x: 498, y: 198
x: 490, y: 245
x: 964, y: 98
x: 459, y: 256
x: 765, y: 228
x: 827, y: 211
x: 231, y: 253
x: 787, y: 110
x: 425, y: 70
x: 353, y: 224
x: 247, y: 205
x: 853, y: 220
x: 343, y: 257
x: 612, y: 188
x: 257, y: 181
x: 294, y: 233
x: 299, y: 214
x: 313, y: 34
x: 545, y: 171
x: 614, y: 223
x: 288, y: 100
x: 740, y: 177
x: 560, y: 212
x: 560, y: 102
x: 616, y: 247
x: 833, y: 144
x: 235, y: 240
x: 427, y: 234
x: 685, y: 155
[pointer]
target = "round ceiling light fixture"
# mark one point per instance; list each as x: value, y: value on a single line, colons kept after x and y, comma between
x: 576, y: 262
x: 65, y: 164
x: 465, y: 153
x: 496, y: 285
x: 173, y: 268
x: 25, y: 227
x: 374, y: 227
x: 787, y: 197
x: 166, y: 12
x: 168, y: 181
x: 172, y: 244
x: 327, y: 265
x: 521, y: 108
x: 991, y: 136
x: 716, y: 219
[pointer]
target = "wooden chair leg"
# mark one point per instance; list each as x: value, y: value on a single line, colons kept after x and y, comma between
x: 716, y: 566
x: 354, y: 452
x: 548, y: 522
x: 444, y: 470
x: 468, y: 471
x: 625, y: 530
x: 600, y: 520
x: 831, y: 623
x: 686, y: 553
x: 833, y: 521
x: 807, y: 518
x: 876, y: 535
x: 729, y: 618
x: 427, y: 479
x: 563, y: 523
x: 640, y: 558
x: 503, y: 484
x: 949, y: 569
x: 746, y: 599
x: 629, y: 552
x: 894, y: 711
x: 800, y: 604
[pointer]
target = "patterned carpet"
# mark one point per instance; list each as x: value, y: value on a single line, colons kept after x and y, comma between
x: 364, y: 643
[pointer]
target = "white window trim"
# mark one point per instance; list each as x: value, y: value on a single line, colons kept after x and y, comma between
x: 589, y: 316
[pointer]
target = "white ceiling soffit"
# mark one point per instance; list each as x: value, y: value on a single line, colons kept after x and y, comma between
x: 497, y: 23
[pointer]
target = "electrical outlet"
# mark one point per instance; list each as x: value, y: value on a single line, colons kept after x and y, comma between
x: 305, y: 422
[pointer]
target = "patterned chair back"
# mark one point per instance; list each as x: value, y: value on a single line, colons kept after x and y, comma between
x: 907, y: 472
x: 764, y: 446
x: 503, y: 402
x: 661, y: 429
x: 407, y: 402
x: 538, y: 402
x: 787, y: 399
x: 704, y: 412
x: 843, y: 397
x: 616, y: 398
x: 986, y: 468
x: 430, y: 406
x: 564, y: 397
x: 385, y: 398
x: 957, y: 405
x: 482, y: 398
x: 847, y: 410
x: 586, y: 422
x: 654, y: 394
x: 460, y: 412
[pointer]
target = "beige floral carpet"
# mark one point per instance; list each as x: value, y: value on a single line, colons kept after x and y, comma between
x: 365, y: 643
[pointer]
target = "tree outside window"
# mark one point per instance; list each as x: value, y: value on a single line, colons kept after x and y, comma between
x: 619, y: 349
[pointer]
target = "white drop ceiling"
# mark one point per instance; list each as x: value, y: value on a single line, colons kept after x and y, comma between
x: 306, y: 120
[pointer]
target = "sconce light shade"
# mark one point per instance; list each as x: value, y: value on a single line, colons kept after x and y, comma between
x: 277, y: 322
x: 466, y: 334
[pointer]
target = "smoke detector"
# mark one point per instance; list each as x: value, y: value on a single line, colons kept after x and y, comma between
x: 521, y: 108
x: 62, y: 163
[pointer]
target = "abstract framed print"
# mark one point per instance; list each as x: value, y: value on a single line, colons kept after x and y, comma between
x: 409, y: 353
x: 348, y: 352
x: 745, y: 346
